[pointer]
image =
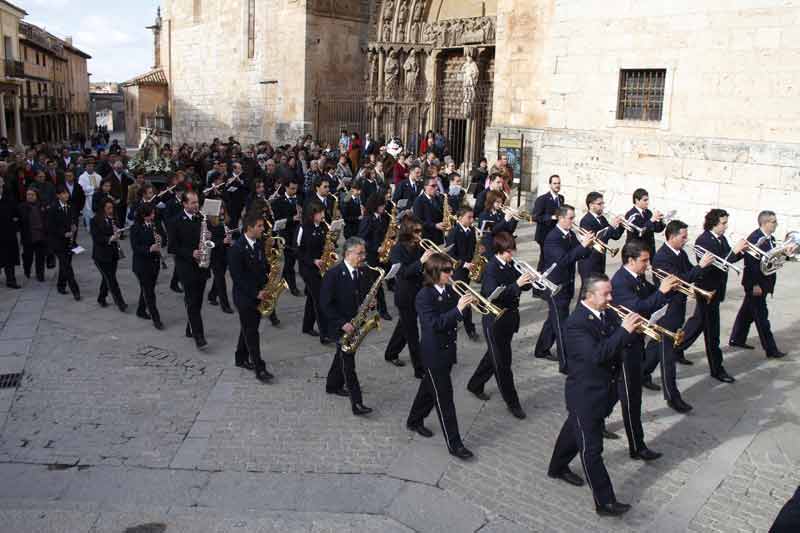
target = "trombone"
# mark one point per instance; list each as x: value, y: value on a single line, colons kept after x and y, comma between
x: 598, y: 245
x: 517, y: 214
x: 719, y: 263
x: 689, y: 289
x: 540, y: 281
x: 481, y: 305
x: 427, y: 244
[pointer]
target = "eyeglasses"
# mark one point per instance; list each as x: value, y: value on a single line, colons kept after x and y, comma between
x: 447, y: 269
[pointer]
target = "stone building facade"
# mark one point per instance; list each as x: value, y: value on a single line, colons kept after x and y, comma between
x: 695, y: 101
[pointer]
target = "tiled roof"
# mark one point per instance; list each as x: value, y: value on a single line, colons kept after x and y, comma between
x: 153, y: 77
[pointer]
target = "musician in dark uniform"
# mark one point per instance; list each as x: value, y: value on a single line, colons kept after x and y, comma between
x: 344, y: 288
x: 322, y: 196
x: 222, y: 239
x: 409, y: 254
x: 146, y: 247
x: 641, y: 217
x: 61, y: 230
x: 409, y: 189
x: 496, y: 184
x: 672, y: 259
x: 106, y: 253
x: 562, y: 248
x: 287, y: 207
x: 171, y: 214
x: 595, y: 222
x: 705, y: 319
x: 310, y: 243
x: 185, y: 238
x: 249, y: 269
x: 9, y: 227
x: 372, y: 229
x: 757, y: 286
x: 499, y: 332
x: 236, y: 193
x: 493, y: 221
x: 594, y: 339
x: 428, y: 208
x: 462, y: 242
x: 439, y: 309
x: 544, y: 214
x: 634, y: 292
x: 352, y: 210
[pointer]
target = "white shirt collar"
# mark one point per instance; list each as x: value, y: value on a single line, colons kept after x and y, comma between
x: 289, y: 197
x: 641, y: 211
x: 251, y: 242
x: 350, y: 269
x: 595, y: 312
x: 565, y: 232
x: 464, y: 228
x: 500, y: 259
x: 439, y: 288
x: 630, y: 272
x: 554, y: 195
x: 674, y: 251
x: 185, y: 212
x: 321, y: 198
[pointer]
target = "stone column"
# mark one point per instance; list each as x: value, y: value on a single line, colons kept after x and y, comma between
x: 3, y: 126
x: 17, y: 121
x: 66, y: 125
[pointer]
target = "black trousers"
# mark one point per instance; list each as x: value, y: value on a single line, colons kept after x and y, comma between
x: 249, y: 346
x: 497, y: 359
x: 662, y: 353
x: 343, y: 374
x: 629, y: 390
x: 174, y: 280
x: 552, y: 332
x: 147, y: 294
x: 193, y: 300
x: 584, y: 435
x: 11, y: 277
x: 436, y: 390
x: 406, y: 332
x: 37, y: 250
x: 754, y: 309
x: 540, y: 264
x: 219, y: 285
x: 311, y: 313
x: 705, y: 320
x: 108, y: 281
x: 66, y: 276
x: 289, y: 260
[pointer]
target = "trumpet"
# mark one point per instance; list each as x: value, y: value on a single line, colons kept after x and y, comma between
x: 644, y: 327
x: 427, y: 244
x: 721, y: 264
x: 689, y: 289
x: 540, y: 281
x: 598, y: 245
x: 481, y: 305
x: 629, y: 225
x: 517, y: 214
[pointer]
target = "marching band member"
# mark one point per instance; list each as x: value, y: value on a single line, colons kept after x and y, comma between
x: 493, y: 221
x: 344, y: 287
x: 496, y: 184
x: 439, y: 309
x: 633, y: 291
x: 321, y: 195
x: 544, y: 214
x: 563, y: 248
x: 757, y: 286
x: 287, y: 207
x: 105, y: 253
x: 410, y: 188
x: 353, y: 210
x: 428, y: 208
x: 640, y: 216
x: 61, y: 229
x: 218, y: 294
x: 498, y: 332
x: 235, y: 194
x: 672, y: 259
x: 409, y: 254
x: 185, y: 238
x: 372, y: 229
x: 146, y: 248
x: 594, y: 340
x: 463, y: 241
x: 705, y: 319
x: 595, y: 222
x: 249, y: 269
x: 310, y: 243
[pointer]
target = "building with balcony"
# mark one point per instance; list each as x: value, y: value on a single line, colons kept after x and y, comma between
x: 12, y: 72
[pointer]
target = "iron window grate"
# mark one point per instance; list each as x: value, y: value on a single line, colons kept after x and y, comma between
x: 641, y: 94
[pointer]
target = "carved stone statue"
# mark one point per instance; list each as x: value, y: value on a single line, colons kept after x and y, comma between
x: 416, y: 20
x: 469, y: 79
x: 388, y: 10
x: 387, y: 30
x: 391, y: 72
x: 402, y: 18
x: 411, y: 69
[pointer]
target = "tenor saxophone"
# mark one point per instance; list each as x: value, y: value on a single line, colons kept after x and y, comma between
x: 329, y: 256
x: 389, y: 239
x: 205, y: 245
x: 447, y: 218
x: 365, y: 321
x: 275, y: 283
x: 479, y: 261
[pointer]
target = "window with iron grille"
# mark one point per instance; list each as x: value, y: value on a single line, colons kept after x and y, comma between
x: 251, y: 29
x: 641, y: 94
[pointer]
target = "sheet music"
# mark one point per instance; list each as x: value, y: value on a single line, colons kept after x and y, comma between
x: 393, y: 271
x: 211, y: 207
x: 280, y: 225
x: 497, y: 292
x: 658, y: 315
x: 401, y: 204
x: 337, y: 225
x: 78, y: 250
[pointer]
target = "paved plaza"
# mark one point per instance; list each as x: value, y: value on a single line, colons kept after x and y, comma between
x: 116, y: 426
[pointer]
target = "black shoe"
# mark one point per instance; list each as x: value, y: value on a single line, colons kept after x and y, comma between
x: 518, y: 412
x: 51, y: 265
x: 645, y: 454
x: 200, y: 341
x: 189, y: 333
x: 247, y: 365
x: 569, y: 476
x: 419, y: 374
x: 742, y: 345
x: 312, y: 332
x: 480, y: 395
x: 649, y: 385
x: 723, y: 376
x: 421, y: 429
x: 473, y: 336
x: 13, y: 284
x: 176, y: 288
x: 61, y: 290
x: 264, y: 376
x: 680, y: 406
x: 213, y: 301
x: 396, y: 362
x: 144, y: 315
x: 776, y: 355
x: 77, y: 296
x: 462, y: 453
x: 340, y: 392
x: 361, y: 410
x: 226, y: 308
x: 158, y: 324
x: 386, y: 316
x: 543, y: 355
x: 682, y: 360
x: 609, y: 435
x: 102, y: 303
x: 275, y: 321
x: 325, y: 341
x: 613, y: 509
x: 39, y: 278
x: 122, y: 306
x: 295, y: 292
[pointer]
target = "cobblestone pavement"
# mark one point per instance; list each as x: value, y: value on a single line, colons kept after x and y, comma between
x: 116, y: 425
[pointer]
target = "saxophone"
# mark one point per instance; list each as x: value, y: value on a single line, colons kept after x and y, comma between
x: 336, y: 214
x: 364, y: 322
x: 329, y: 256
x: 205, y: 245
x: 275, y: 283
x: 447, y: 218
x: 479, y: 261
x: 389, y: 239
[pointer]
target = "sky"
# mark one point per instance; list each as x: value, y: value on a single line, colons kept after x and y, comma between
x: 112, y: 32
